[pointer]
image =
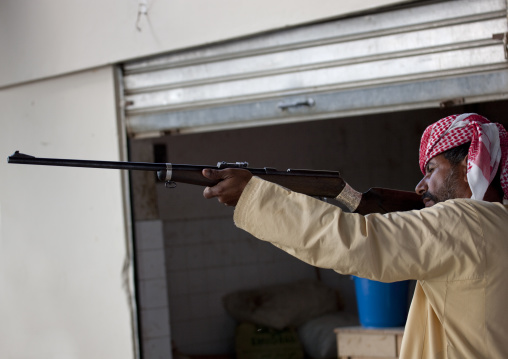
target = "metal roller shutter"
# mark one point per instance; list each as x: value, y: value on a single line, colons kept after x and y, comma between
x: 430, y: 55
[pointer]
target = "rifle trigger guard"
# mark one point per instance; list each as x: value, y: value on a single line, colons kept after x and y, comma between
x: 170, y: 184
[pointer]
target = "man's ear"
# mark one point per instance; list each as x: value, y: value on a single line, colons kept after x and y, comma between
x: 463, y: 168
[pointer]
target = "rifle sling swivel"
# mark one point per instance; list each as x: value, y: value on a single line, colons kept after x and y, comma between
x: 170, y: 184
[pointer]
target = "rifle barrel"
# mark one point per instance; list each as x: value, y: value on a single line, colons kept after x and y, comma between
x: 330, y: 183
x: 22, y: 158
x: 310, y: 182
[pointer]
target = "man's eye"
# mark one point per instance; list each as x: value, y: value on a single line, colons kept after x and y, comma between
x: 430, y: 169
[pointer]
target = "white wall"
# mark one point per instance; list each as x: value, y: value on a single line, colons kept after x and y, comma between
x: 44, y: 38
x: 63, y: 241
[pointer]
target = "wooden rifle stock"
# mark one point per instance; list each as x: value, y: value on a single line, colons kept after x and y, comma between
x: 327, y: 184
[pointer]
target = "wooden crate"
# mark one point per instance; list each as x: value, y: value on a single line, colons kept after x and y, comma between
x: 363, y: 343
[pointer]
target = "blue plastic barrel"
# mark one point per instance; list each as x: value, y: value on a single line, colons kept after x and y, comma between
x: 381, y: 305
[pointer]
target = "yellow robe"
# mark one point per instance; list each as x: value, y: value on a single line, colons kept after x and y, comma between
x: 457, y: 250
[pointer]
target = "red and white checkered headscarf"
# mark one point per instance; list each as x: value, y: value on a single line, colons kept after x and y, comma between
x: 488, y: 151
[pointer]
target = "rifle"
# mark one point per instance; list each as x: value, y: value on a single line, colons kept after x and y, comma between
x: 316, y: 183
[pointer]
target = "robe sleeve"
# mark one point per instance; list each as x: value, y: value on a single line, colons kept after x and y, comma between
x: 443, y: 242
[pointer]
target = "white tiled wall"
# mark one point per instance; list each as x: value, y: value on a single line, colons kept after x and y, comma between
x: 207, y: 259
x: 152, y: 288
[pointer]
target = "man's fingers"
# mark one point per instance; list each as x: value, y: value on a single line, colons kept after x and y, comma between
x: 231, y: 182
x: 212, y: 174
x: 211, y: 192
x: 216, y: 175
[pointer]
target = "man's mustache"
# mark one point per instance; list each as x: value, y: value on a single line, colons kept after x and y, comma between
x: 428, y: 195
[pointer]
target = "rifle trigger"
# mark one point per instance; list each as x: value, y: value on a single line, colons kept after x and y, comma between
x: 170, y: 184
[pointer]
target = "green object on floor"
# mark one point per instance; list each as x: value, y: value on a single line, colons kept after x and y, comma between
x: 258, y: 342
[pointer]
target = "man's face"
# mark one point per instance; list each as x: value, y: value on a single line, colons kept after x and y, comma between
x: 442, y: 181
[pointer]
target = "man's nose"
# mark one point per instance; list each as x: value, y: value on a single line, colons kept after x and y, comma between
x: 421, y: 187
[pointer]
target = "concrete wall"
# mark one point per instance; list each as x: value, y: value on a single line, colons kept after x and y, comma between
x: 65, y: 268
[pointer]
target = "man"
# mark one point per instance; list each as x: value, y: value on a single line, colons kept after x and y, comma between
x: 456, y: 247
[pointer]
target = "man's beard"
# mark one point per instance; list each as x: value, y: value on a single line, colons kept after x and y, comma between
x: 448, y: 190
